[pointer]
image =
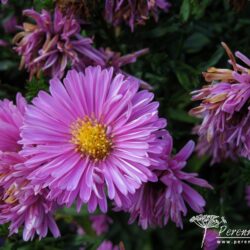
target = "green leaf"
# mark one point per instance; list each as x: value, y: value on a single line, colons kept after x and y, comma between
x: 185, y: 10
x: 34, y: 86
x: 7, y: 64
x: 186, y: 75
x: 45, y: 4
x: 214, y: 59
x: 196, y: 42
x: 181, y: 116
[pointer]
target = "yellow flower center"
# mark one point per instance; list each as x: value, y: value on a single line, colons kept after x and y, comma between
x: 91, y: 139
x: 10, y: 195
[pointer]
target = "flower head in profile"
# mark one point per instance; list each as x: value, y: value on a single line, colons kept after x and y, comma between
x: 93, y: 132
x: 157, y: 202
x: 20, y: 205
x: 133, y: 12
x: 224, y: 109
x: 52, y: 43
x: 100, y: 223
x: 11, y: 119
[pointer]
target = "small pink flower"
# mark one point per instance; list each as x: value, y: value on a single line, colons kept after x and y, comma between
x: 107, y: 245
x: 100, y: 223
x: 210, y: 242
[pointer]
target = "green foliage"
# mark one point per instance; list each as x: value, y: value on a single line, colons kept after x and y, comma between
x: 34, y: 86
x: 43, y: 4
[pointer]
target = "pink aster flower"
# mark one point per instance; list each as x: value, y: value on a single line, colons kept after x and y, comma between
x: 133, y: 12
x: 11, y: 119
x: 20, y: 205
x: 52, y: 43
x: 210, y: 242
x: 107, y: 245
x: 224, y: 109
x: 93, y: 132
x: 100, y: 223
x: 4, y: 1
x: 157, y: 202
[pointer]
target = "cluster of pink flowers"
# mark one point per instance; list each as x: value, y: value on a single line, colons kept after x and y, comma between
x: 93, y: 136
x: 224, y: 109
x: 54, y: 42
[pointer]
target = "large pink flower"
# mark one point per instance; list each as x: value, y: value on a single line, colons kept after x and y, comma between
x: 93, y: 132
x: 11, y: 119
